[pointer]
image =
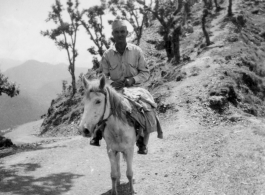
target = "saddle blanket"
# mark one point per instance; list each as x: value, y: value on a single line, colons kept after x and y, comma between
x: 143, y: 110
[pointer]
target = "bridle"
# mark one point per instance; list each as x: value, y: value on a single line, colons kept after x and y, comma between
x: 102, y: 121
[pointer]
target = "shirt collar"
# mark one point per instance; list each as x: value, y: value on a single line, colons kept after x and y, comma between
x: 128, y: 46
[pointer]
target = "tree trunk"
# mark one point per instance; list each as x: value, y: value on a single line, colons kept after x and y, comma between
x: 205, y: 3
x: 168, y: 46
x: 139, y: 36
x: 146, y: 20
x: 210, y: 4
x: 217, y: 7
x: 230, y: 8
x: 205, y: 14
x: 72, y: 72
x: 187, y: 11
x: 180, y: 4
x: 175, y: 41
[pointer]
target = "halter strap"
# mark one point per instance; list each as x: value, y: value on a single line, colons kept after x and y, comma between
x: 103, y: 121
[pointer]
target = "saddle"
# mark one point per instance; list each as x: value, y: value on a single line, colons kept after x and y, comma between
x: 143, y: 111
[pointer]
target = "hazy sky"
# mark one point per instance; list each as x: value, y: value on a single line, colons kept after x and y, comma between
x: 20, y: 24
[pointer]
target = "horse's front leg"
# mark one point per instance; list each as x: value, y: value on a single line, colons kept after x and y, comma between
x: 129, y: 172
x: 114, y: 174
x: 118, y: 168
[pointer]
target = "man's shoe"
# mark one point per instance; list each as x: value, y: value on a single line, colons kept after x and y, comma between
x: 94, y: 142
x: 160, y: 135
x: 142, y: 150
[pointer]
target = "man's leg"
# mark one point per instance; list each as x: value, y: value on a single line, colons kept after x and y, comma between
x: 142, y: 143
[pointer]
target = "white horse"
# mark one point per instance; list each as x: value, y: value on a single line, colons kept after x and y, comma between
x: 104, y: 106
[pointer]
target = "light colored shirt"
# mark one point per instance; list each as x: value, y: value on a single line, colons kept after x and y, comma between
x: 131, y: 64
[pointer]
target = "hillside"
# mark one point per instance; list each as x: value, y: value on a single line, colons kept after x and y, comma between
x: 39, y: 83
x: 216, y: 83
x: 211, y: 108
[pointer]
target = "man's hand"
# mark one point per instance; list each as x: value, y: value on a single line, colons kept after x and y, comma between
x: 129, y: 82
x: 117, y: 84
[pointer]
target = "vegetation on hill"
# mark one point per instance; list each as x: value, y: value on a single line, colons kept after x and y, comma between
x: 217, y: 82
x: 7, y: 87
x: 65, y: 34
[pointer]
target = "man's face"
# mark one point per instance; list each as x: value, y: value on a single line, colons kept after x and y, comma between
x: 119, y: 34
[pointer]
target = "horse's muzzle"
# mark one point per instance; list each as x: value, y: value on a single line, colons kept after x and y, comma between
x: 85, y: 132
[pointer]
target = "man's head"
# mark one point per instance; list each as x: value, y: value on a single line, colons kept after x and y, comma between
x: 119, y: 30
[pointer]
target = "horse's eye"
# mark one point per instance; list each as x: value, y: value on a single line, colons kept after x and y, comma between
x: 98, y: 101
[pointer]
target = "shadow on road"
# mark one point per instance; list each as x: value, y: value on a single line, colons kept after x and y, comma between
x: 53, y: 184
x: 123, y: 189
x: 14, y: 150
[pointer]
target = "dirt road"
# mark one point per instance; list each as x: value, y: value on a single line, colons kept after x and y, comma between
x: 189, y: 160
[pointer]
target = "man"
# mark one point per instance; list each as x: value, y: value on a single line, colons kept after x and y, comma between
x: 124, y: 66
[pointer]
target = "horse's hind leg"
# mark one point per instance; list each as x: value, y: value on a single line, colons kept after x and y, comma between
x: 114, y: 174
x: 129, y: 173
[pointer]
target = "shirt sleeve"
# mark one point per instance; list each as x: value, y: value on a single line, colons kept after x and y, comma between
x: 143, y: 74
x: 105, y: 68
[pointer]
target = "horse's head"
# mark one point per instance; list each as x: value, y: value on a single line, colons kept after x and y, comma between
x: 96, y: 106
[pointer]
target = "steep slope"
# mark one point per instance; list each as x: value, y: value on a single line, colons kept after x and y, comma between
x: 215, y: 83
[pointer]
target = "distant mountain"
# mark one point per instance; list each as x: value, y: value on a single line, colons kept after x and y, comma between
x: 8, y: 63
x: 18, y: 110
x: 32, y: 74
x: 39, y: 83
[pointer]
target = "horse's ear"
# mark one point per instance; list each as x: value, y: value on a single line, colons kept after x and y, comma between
x: 85, y: 82
x: 102, y: 82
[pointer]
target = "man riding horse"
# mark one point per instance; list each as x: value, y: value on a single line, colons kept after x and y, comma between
x: 124, y: 65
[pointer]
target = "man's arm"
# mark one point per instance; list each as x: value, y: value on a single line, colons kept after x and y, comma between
x: 143, y: 74
x: 105, y: 68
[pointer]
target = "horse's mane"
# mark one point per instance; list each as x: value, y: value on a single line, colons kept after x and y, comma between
x: 116, y: 104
